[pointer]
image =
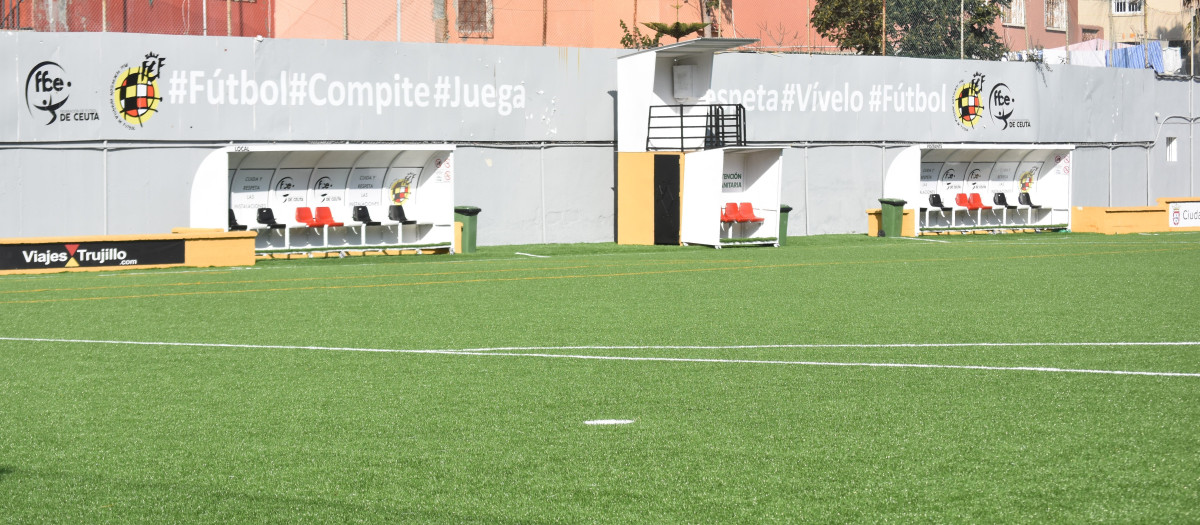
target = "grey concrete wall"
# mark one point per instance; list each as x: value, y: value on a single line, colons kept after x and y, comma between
x: 1091, y: 178
x: 542, y: 168
x: 538, y: 195
x: 217, y: 88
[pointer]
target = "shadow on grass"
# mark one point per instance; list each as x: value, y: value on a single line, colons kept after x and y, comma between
x: 5, y: 470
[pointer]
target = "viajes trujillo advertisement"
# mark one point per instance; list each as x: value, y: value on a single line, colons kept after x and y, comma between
x: 90, y: 254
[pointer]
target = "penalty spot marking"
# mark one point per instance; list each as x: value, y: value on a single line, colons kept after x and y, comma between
x: 526, y: 352
x: 608, y: 422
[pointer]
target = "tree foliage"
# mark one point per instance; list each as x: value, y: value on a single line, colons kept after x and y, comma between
x: 636, y: 40
x: 851, y: 24
x: 916, y: 28
x: 677, y: 29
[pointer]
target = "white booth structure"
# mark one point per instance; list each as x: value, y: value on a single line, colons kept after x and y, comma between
x: 330, y: 197
x: 962, y: 187
x: 731, y: 197
x: 685, y: 173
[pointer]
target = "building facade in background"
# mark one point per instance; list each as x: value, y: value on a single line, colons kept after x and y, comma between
x: 781, y: 26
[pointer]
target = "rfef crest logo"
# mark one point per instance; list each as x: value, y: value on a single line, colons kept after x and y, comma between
x: 1025, y: 181
x: 999, y: 104
x: 968, y: 102
x: 135, y: 91
x: 401, y: 190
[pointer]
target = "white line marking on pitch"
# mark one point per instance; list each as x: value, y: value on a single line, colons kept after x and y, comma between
x: 496, y: 352
x: 830, y: 345
x: 608, y: 422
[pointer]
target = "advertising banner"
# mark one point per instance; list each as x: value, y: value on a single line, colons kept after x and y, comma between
x: 833, y: 98
x: 90, y: 254
x: 93, y: 86
x: 1183, y: 215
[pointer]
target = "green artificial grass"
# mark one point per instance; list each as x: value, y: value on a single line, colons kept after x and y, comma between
x: 752, y: 377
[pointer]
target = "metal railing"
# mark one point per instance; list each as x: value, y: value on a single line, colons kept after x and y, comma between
x: 684, y: 127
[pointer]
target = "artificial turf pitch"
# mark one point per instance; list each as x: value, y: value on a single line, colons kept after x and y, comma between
x: 1015, y: 378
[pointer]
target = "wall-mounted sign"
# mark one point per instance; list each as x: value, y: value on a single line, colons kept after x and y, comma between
x: 1183, y: 215
x: 88, y: 254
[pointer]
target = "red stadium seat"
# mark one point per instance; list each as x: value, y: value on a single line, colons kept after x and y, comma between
x: 730, y: 213
x: 961, y: 200
x: 325, y: 217
x: 747, y: 213
x: 304, y: 215
x: 976, y: 202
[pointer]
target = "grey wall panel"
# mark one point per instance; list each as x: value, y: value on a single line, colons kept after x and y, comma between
x: 242, y: 89
x: 793, y: 190
x: 1129, y: 185
x: 1170, y: 178
x: 57, y: 192
x: 149, y: 188
x: 1090, y: 104
x: 843, y: 182
x: 11, y: 180
x: 580, y: 195
x: 507, y: 184
x: 10, y: 76
x: 57, y: 88
x: 557, y: 195
x: 858, y: 98
x: 1090, y: 177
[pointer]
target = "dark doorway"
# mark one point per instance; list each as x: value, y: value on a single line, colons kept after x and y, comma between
x: 666, y: 199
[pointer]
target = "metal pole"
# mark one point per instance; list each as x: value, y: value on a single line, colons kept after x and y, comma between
x: 345, y: 19
x: 962, y: 13
x: 397, y: 22
x: 1145, y: 35
x: 1067, y: 9
x: 883, y: 44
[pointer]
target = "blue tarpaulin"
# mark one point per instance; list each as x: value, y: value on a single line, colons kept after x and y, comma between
x: 1134, y: 57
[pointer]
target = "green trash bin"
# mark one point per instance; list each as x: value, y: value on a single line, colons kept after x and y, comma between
x: 783, y: 216
x: 468, y: 216
x: 892, y: 220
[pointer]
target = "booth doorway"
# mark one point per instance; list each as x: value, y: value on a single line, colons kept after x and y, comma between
x: 666, y: 199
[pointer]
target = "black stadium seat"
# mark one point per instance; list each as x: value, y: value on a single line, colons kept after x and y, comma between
x: 266, y: 217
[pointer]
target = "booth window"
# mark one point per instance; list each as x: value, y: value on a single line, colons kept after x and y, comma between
x: 1056, y: 14
x: 474, y: 18
x: 1127, y: 7
x: 1013, y: 15
x: 1172, y: 149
